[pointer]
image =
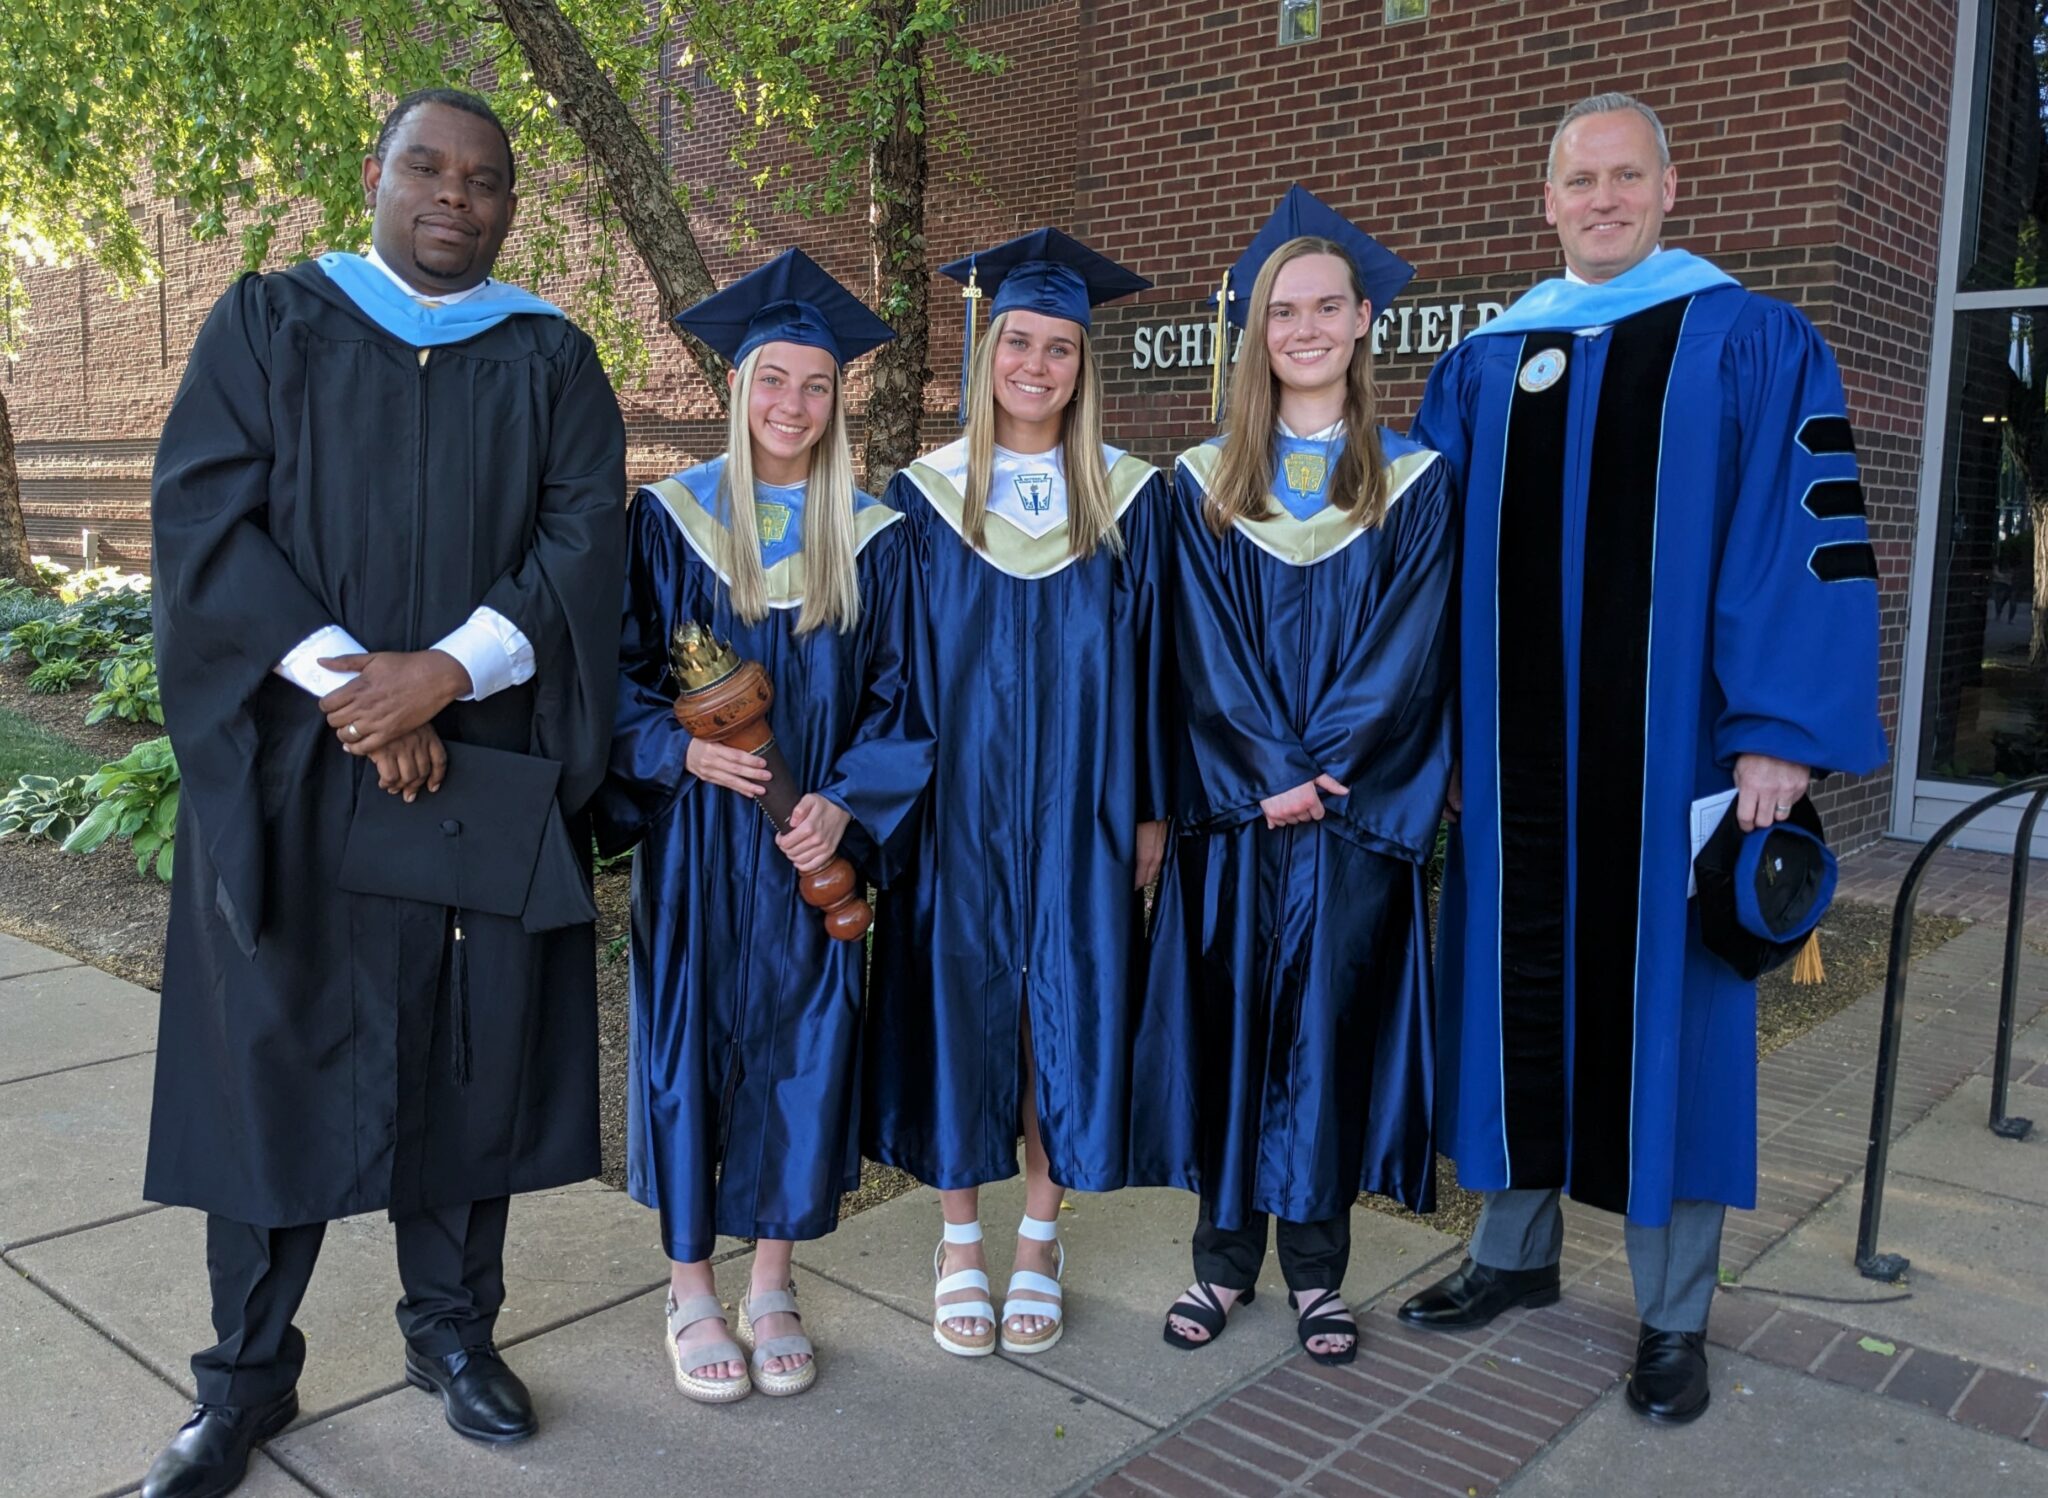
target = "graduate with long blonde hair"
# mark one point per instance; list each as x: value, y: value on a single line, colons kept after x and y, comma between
x: 1002, y: 994
x: 745, y: 1039
x: 1286, y: 1041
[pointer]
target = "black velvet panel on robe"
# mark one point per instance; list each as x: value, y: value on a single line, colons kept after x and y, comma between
x: 316, y: 470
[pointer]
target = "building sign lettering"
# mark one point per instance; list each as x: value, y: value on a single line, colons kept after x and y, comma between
x: 1424, y: 328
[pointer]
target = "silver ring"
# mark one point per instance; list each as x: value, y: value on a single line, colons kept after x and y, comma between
x: 1782, y: 808
x: 356, y: 733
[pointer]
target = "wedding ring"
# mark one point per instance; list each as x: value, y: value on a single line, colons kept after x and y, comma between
x: 1783, y: 808
x: 356, y: 733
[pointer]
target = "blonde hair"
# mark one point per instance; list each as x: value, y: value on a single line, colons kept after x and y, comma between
x: 831, y: 586
x: 1244, y: 477
x: 1091, y: 520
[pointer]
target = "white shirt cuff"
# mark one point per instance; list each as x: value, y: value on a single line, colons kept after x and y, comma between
x: 301, y: 664
x: 492, y: 650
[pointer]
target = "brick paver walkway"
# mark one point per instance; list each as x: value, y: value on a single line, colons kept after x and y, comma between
x: 1960, y: 882
x: 1423, y: 1415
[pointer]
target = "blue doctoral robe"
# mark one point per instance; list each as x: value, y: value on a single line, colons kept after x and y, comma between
x: 1046, y: 692
x: 1665, y: 565
x: 745, y: 1041
x: 1287, y: 1062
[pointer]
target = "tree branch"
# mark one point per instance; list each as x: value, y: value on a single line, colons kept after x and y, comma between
x: 641, y: 191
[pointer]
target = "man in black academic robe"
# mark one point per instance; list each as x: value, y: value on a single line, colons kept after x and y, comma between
x: 388, y: 525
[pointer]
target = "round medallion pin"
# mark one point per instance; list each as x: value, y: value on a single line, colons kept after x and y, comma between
x: 1543, y: 371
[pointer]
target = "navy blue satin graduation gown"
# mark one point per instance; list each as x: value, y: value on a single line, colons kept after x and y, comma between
x: 1665, y: 566
x: 1046, y: 679
x: 745, y: 1040
x: 1286, y: 1059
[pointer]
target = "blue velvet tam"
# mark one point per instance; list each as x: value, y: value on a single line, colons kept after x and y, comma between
x: 1762, y: 892
x: 791, y: 299
x: 1045, y: 271
x: 1382, y: 273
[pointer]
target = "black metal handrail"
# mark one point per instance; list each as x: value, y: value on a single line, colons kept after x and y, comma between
x: 1869, y: 1261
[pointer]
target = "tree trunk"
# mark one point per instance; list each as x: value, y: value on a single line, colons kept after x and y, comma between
x: 2037, y: 647
x: 633, y: 171
x: 14, y: 561
x: 896, y: 182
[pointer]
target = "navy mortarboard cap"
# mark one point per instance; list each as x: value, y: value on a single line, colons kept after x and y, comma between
x: 1045, y: 271
x: 1381, y: 272
x: 1761, y: 893
x: 791, y: 299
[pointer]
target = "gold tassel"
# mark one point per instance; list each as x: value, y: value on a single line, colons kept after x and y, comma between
x: 1807, y: 970
x: 1221, y: 352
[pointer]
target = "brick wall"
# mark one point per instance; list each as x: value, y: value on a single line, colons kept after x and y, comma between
x: 1809, y: 138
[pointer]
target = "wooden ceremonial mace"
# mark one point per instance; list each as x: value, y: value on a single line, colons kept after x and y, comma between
x: 726, y: 701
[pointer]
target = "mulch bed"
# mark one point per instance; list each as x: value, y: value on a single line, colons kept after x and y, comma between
x: 64, y: 713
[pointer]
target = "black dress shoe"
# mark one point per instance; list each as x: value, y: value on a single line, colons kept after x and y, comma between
x: 483, y: 1398
x: 210, y: 1453
x: 1669, y: 1383
x: 1472, y: 1295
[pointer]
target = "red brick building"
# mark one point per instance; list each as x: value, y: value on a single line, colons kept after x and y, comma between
x: 1846, y: 155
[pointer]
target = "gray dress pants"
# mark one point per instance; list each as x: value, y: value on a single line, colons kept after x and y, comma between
x: 1676, y: 1266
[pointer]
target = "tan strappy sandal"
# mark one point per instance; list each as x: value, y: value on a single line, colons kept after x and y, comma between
x: 796, y: 1344
x: 703, y: 1389
x: 1051, y: 1310
x: 961, y: 1344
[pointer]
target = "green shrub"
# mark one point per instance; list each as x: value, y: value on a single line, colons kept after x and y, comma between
x: 134, y: 798
x: 60, y: 638
x: 122, y: 610
x: 18, y: 605
x: 128, y: 685
x: 59, y: 675
x: 44, y: 806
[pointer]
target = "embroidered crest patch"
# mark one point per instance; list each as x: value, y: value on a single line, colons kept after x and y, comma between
x: 1034, y: 491
x: 1543, y: 371
x: 1304, y: 471
x: 772, y: 521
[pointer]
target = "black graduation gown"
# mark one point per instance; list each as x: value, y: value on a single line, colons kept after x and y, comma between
x: 314, y: 470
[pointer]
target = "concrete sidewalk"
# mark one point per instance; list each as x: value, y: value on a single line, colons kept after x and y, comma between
x: 107, y: 1299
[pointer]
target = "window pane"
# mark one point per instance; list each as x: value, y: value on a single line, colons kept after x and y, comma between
x: 1986, y: 716
x: 2001, y: 240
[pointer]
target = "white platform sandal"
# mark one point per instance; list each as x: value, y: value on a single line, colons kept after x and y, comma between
x: 768, y: 1303
x: 1052, y: 1311
x: 961, y: 1344
x: 698, y: 1386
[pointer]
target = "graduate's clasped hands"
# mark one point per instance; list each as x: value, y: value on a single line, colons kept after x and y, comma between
x: 1302, y: 804
x: 386, y: 712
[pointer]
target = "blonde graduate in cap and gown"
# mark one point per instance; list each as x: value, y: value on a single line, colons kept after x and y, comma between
x: 1286, y: 1039
x: 1004, y: 972
x: 745, y: 1039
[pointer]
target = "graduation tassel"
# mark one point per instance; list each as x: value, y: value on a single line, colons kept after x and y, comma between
x: 458, y: 1006
x: 1807, y: 970
x: 970, y: 294
x: 1218, y: 353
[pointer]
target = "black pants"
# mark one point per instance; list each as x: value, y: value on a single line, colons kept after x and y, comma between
x: 451, y: 1261
x: 1313, y: 1255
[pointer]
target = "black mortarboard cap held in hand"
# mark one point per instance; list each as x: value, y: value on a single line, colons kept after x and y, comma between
x: 1761, y: 893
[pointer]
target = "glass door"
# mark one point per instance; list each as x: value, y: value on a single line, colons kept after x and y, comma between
x: 1977, y: 715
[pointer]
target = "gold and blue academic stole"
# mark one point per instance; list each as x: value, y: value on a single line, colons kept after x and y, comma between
x: 703, y: 532
x: 1303, y: 543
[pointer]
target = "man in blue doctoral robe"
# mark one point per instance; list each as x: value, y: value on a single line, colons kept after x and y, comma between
x: 1667, y: 584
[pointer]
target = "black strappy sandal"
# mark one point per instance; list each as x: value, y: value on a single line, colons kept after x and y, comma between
x: 1308, y: 1324
x: 1209, y: 1313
